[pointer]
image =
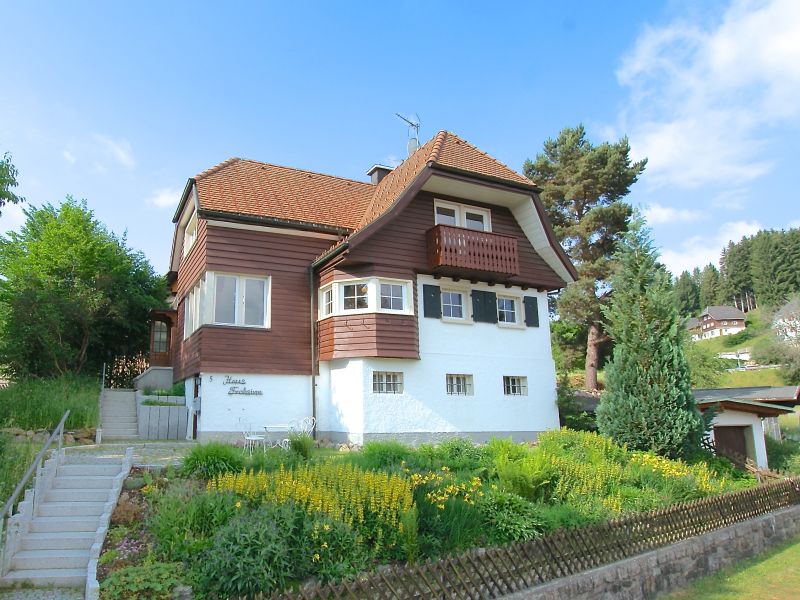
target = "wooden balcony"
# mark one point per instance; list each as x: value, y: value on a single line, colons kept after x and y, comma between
x: 452, y: 249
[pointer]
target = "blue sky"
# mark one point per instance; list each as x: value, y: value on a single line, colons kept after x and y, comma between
x: 120, y: 103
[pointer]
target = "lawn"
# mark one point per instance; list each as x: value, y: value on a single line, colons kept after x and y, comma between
x: 771, y: 576
x: 235, y: 525
x: 754, y: 378
x: 40, y: 403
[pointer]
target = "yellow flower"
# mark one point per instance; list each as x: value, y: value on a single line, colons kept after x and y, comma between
x: 326, y: 527
x: 316, y: 557
x: 238, y: 504
x: 324, y: 545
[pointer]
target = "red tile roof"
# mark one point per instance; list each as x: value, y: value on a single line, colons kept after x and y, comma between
x: 251, y: 188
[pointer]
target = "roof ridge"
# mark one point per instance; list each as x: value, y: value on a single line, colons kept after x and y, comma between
x: 218, y: 167
x: 259, y: 162
x: 438, y: 142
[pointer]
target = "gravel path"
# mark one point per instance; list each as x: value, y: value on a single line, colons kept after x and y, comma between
x: 144, y: 453
x: 42, y: 594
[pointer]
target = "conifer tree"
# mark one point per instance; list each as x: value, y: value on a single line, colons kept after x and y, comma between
x: 648, y: 402
x: 687, y: 295
x: 709, y: 287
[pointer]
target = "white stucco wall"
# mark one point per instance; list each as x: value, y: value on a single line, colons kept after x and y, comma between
x: 738, y: 418
x: 485, y: 351
x: 283, y: 398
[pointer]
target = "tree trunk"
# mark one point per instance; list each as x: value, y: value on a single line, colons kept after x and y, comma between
x: 592, y: 350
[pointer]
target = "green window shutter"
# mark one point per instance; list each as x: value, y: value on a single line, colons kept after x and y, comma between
x: 432, y: 301
x: 484, y: 307
x: 531, y: 311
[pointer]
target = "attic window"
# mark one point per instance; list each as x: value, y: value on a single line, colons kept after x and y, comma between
x: 462, y: 215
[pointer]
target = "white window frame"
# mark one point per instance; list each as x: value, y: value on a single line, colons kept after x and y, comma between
x: 404, y: 300
x: 373, y: 297
x: 454, y: 382
x: 515, y: 385
x: 465, y: 312
x: 194, y: 306
x: 190, y: 233
x: 326, y: 310
x: 461, y: 210
x: 519, y: 318
x: 381, y: 382
x: 240, y: 300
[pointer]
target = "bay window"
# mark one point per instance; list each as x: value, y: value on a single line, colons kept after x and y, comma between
x: 227, y: 299
x: 365, y: 296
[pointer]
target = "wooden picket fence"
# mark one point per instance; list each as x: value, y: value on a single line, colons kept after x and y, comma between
x: 495, y: 572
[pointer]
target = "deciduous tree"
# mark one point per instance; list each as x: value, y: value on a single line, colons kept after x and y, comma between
x: 8, y: 180
x: 582, y: 190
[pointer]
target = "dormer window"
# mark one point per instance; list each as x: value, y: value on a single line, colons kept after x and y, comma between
x: 462, y: 215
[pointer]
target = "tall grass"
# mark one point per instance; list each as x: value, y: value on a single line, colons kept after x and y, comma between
x: 15, y: 457
x: 40, y: 403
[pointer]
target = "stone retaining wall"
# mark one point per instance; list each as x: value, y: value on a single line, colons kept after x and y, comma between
x: 661, y: 571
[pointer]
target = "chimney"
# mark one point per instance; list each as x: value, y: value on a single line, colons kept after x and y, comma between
x: 378, y: 172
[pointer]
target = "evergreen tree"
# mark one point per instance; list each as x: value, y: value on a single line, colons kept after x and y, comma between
x: 687, y: 295
x: 709, y: 287
x: 582, y: 190
x: 648, y: 402
x: 735, y: 279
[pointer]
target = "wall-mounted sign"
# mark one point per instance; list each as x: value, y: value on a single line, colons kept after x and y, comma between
x: 238, y: 386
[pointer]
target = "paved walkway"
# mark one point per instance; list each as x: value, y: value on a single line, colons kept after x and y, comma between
x: 145, y: 454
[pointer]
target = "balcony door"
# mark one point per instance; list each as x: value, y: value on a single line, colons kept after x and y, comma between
x: 462, y: 215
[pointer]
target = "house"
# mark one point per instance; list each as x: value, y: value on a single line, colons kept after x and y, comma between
x: 715, y: 321
x: 412, y: 306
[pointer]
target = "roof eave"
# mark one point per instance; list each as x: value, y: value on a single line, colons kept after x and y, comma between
x: 272, y: 222
x: 184, y: 199
x: 532, y: 187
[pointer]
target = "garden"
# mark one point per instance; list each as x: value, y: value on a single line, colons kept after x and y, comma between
x: 233, y: 525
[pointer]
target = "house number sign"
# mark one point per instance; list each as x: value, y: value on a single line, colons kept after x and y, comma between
x: 237, y: 386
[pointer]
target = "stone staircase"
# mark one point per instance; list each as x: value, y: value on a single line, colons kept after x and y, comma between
x: 119, y: 414
x: 67, y: 524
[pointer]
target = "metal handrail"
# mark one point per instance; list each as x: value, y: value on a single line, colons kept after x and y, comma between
x: 8, y: 509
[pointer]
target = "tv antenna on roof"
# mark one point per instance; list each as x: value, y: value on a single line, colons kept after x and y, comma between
x: 413, y: 140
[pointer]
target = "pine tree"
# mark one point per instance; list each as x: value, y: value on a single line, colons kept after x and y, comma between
x: 687, y: 295
x: 709, y: 287
x: 648, y: 402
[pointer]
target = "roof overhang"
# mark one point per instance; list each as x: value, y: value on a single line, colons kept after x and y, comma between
x: 271, y: 222
x: 762, y: 409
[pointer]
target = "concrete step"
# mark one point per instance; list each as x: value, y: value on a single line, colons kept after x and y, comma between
x: 78, y: 482
x: 89, y: 469
x: 58, y: 540
x: 120, y: 433
x: 124, y: 411
x: 71, y: 578
x: 76, y: 495
x: 64, y: 524
x: 71, y: 509
x: 121, y: 422
x: 28, y: 560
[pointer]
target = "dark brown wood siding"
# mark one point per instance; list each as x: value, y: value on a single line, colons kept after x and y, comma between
x: 399, y: 249
x: 370, y: 334
x: 284, y: 348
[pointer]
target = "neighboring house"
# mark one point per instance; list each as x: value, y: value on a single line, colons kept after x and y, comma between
x: 745, y: 415
x: 715, y: 321
x: 412, y: 307
x: 786, y: 322
x: 693, y: 327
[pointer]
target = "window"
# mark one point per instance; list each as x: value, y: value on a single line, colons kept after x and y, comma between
x: 326, y: 302
x: 392, y: 296
x: 160, y: 337
x: 462, y: 215
x: 190, y: 234
x: 506, y: 310
x: 225, y: 300
x: 452, y: 305
x: 514, y: 385
x: 355, y: 296
x: 385, y: 382
x: 459, y: 384
x: 193, y: 304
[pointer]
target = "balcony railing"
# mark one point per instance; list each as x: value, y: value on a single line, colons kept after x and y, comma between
x: 460, y: 248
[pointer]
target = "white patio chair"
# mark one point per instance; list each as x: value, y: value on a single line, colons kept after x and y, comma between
x: 251, y: 439
x: 306, y: 425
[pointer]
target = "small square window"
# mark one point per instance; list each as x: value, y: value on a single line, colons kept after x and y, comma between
x: 514, y: 385
x: 506, y: 310
x: 391, y: 296
x: 453, y: 305
x: 355, y: 296
x: 386, y: 382
x: 326, y: 302
x: 459, y: 384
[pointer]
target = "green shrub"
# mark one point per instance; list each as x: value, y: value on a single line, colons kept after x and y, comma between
x: 146, y: 582
x: 383, y: 454
x: 780, y: 453
x: 334, y: 551
x: 302, y: 444
x: 184, y: 520
x: 272, y: 459
x: 731, y: 341
x: 509, y: 518
x: 505, y: 447
x: 210, y: 460
x: 447, y: 527
x: 460, y: 454
x: 534, y: 476
x: 563, y: 516
x: 40, y: 403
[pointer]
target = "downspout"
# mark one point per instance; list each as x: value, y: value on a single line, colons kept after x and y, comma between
x: 311, y: 303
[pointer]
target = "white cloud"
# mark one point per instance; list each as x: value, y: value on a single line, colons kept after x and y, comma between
x: 69, y: 157
x: 702, y: 98
x: 12, y: 218
x: 119, y: 150
x: 164, y: 197
x: 794, y: 224
x: 656, y: 214
x: 699, y: 250
x: 733, y: 199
